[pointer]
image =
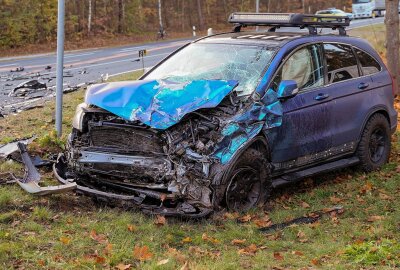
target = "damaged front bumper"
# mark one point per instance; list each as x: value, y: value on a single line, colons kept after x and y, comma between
x: 147, y: 200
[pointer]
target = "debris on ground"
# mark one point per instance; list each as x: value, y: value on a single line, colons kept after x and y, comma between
x: 308, y: 219
x: 7, y: 178
x: 18, y: 69
x: 30, y: 182
x: 47, y: 68
x: 11, y: 151
x: 33, y: 88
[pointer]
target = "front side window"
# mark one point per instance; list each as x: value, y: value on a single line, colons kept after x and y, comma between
x: 304, y: 66
x: 341, y: 63
x: 368, y: 64
x: 206, y: 61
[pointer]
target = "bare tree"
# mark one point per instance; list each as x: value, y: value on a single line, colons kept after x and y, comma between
x: 200, y: 13
x: 392, y: 40
x: 89, y: 17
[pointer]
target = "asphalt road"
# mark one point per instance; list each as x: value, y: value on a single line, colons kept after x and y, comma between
x: 90, y: 65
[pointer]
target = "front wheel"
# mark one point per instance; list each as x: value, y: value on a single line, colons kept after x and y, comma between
x: 374, y: 147
x: 248, y: 182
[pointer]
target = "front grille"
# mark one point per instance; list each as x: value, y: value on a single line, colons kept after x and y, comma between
x: 125, y: 138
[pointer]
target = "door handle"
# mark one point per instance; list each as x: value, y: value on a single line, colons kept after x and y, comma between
x: 362, y: 86
x: 321, y: 96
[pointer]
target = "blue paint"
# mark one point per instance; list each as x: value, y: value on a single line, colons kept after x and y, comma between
x: 159, y: 104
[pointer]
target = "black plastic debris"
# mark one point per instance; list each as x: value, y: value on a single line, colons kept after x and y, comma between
x: 309, y: 219
x: 27, y: 88
x: 47, y: 68
x: 18, y: 69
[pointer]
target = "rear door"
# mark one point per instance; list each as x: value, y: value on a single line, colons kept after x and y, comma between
x: 351, y: 98
x: 307, y: 117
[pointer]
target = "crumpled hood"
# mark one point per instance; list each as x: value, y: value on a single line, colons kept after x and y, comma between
x: 158, y: 103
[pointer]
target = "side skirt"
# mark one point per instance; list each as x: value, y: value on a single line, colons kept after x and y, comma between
x: 327, y: 167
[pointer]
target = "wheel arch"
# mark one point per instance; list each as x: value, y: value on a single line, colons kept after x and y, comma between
x: 375, y: 110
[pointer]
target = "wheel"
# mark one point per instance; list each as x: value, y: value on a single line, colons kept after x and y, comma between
x: 249, y: 182
x: 374, y: 147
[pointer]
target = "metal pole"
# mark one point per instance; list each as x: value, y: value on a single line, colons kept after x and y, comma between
x: 60, y: 66
x: 257, y: 10
x: 159, y: 14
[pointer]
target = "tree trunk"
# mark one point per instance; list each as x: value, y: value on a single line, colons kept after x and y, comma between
x: 392, y: 40
x: 200, y: 13
x: 89, y: 17
x: 121, y: 15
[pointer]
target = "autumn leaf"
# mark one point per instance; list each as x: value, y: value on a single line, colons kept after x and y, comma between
x: 177, y: 255
x: 305, y: 205
x: 100, y: 260
x: 207, y: 238
x: 335, y: 199
x: 375, y: 218
x: 384, y: 196
x: 108, y: 249
x: 245, y: 218
x: 142, y: 253
x: 263, y: 222
x: 185, y: 266
x: 160, y: 220
x: 278, y: 256
x: 367, y: 187
x: 65, y: 240
x: 131, y: 228
x: 162, y: 262
x: 250, y: 250
x: 238, y: 241
x: 41, y: 263
x: 186, y: 240
x: 298, y: 253
x: 122, y: 266
x: 315, y: 261
x: 101, y: 238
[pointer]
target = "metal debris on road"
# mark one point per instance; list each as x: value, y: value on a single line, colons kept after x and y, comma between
x: 18, y: 69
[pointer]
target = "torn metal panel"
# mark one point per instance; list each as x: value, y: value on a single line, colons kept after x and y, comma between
x: 30, y: 182
x: 10, y: 149
x: 158, y: 104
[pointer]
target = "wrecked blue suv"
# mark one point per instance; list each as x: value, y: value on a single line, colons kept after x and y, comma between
x: 226, y: 118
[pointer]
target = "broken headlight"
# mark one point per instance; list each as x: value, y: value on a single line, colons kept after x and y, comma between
x: 77, y: 122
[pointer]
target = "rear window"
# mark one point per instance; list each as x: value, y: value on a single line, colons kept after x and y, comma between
x: 368, y: 64
x: 341, y: 63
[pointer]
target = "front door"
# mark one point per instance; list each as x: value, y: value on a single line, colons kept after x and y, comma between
x: 305, y: 133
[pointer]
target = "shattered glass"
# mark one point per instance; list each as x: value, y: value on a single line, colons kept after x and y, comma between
x: 199, y: 61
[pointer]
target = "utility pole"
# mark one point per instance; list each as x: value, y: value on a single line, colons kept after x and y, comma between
x: 392, y: 41
x: 257, y: 10
x: 160, y: 15
x: 303, y: 6
x: 90, y: 17
x: 60, y: 66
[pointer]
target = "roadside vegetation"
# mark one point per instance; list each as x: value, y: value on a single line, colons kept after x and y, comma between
x: 72, y: 232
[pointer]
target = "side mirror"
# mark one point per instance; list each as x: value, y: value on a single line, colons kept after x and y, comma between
x: 287, y: 89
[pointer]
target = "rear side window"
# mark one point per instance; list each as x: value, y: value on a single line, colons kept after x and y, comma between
x: 368, y: 64
x: 341, y: 63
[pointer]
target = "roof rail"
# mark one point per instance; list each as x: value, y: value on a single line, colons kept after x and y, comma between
x: 277, y: 20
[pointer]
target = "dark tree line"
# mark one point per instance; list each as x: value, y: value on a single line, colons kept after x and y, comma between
x: 35, y: 21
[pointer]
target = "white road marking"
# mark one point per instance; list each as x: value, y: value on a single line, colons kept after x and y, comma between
x: 77, y: 55
x: 8, y: 65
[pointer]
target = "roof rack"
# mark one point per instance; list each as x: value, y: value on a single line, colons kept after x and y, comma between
x: 277, y: 20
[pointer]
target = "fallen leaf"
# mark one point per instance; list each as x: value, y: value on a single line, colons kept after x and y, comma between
x: 384, y: 196
x: 185, y: 266
x: 375, y: 218
x: 245, y: 218
x: 367, y: 187
x: 41, y: 263
x: 238, y: 241
x: 122, y: 266
x: 162, y: 262
x: 301, y: 234
x: 131, y: 228
x: 100, y: 260
x: 160, y: 220
x: 250, y: 250
x: 315, y: 261
x: 65, y: 240
x: 142, y: 253
x: 210, y: 239
x: 186, y: 240
x: 335, y: 199
x: 298, y: 253
x: 101, y: 238
x: 177, y: 255
x: 108, y: 249
x: 263, y: 222
x: 278, y: 256
x: 305, y: 205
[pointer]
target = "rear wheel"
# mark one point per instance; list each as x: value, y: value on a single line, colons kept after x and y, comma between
x: 249, y: 182
x: 374, y: 147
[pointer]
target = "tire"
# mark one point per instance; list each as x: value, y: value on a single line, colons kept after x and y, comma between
x: 374, y: 147
x: 248, y: 182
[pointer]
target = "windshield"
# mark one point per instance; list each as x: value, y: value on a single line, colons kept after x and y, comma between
x: 361, y: 1
x: 198, y: 61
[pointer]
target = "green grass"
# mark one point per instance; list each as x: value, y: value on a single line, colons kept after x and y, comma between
x: 67, y: 231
